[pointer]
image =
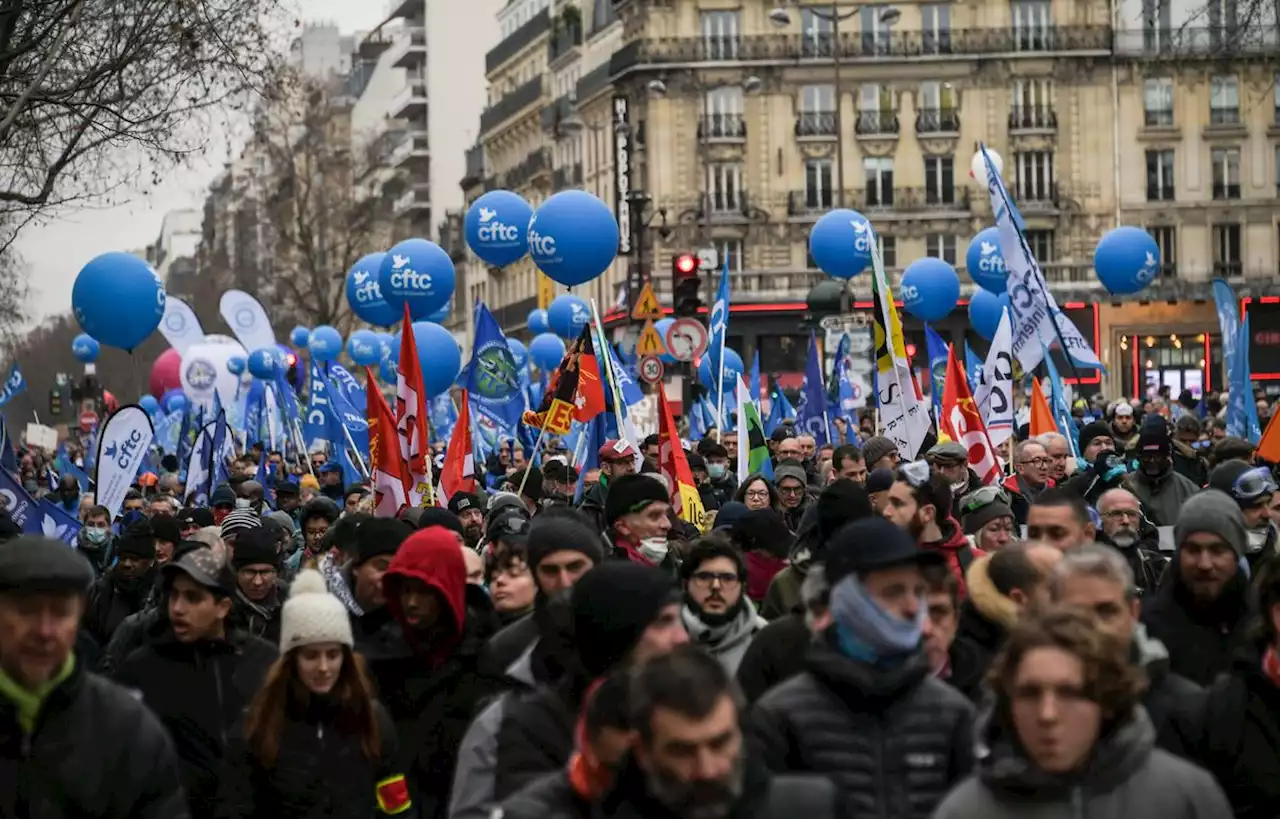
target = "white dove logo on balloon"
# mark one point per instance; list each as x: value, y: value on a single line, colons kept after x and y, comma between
x: 487, y: 214
x: 988, y: 248
x: 1149, y: 269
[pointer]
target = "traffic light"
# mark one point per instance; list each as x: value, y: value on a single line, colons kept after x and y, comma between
x: 291, y: 367
x: 55, y: 403
x: 686, y: 284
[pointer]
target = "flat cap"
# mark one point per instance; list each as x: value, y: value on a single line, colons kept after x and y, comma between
x: 41, y: 564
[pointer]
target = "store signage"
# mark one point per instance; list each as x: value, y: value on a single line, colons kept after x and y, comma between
x: 622, y: 173
x: 1264, y: 339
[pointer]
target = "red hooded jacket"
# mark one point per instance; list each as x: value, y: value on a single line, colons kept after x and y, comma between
x: 433, y: 557
x: 951, y: 547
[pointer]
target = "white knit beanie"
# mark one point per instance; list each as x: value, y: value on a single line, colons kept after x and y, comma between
x: 311, y: 615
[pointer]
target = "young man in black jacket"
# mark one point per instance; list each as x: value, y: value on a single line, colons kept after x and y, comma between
x: 71, y: 742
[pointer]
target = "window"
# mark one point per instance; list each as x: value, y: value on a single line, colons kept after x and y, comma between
x: 818, y: 187
x: 879, y: 175
x: 724, y: 186
x: 1032, y: 25
x: 941, y: 246
x: 1034, y: 176
x: 1160, y: 176
x: 1226, y: 173
x: 1040, y: 243
x: 724, y: 112
x: 817, y: 110
x: 875, y: 110
x: 939, y: 180
x: 888, y: 250
x: 1157, y: 102
x: 720, y: 35
x: 1032, y: 104
x: 1224, y: 101
x: 815, y: 33
x: 1157, y: 25
x: 1166, y: 240
x: 1226, y: 250
x: 935, y: 28
x: 1223, y: 23
x: 730, y: 249
x: 937, y: 109
x: 876, y: 32
x: 1278, y: 170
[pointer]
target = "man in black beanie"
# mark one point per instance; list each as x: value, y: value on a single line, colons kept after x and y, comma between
x: 526, y: 483
x: 1102, y: 468
x: 637, y: 514
x: 256, y: 602
x: 470, y: 512
x: 358, y: 581
x: 125, y: 587
x: 1161, y: 491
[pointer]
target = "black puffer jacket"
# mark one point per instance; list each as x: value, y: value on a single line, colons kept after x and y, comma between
x: 505, y: 647
x: 1173, y: 703
x: 198, y: 690
x: 776, y: 653
x: 894, y: 740
x: 1241, y: 741
x: 535, y: 738
x: 1201, y: 639
x: 111, y: 600
x: 96, y: 751
x: 321, y: 772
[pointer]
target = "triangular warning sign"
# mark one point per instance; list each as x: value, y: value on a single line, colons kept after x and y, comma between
x: 650, y: 342
x: 647, y: 306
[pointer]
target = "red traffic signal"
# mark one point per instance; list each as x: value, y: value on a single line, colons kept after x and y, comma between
x: 685, y: 264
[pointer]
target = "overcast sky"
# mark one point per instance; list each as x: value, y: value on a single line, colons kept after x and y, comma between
x: 56, y: 250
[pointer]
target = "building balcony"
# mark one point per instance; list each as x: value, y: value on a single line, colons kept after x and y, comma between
x: 409, y: 48
x: 1224, y: 192
x: 756, y: 286
x: 1183, y: 42
x: 415, y: 200
x: 555, y: 113
x: 535, y: 164
x: 474, y: 166
x: 1032, y: 119
x: 938, y: 121
x: 566, y: 36
x: 414, y: 149
x: 810, y: 204
x: 722, y: 128
x: 512, y: 104
x: 373, y: 44
x: 517, y: 41
x: 569, y: 176
x: 1036, y: 198
x: 816, y: 124
x: 783, y: 49
x: 876, y: 124
x: 411, y: 102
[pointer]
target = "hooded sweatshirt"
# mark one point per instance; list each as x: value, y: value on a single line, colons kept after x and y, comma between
x: 950, y: 546
x: 433, y: 557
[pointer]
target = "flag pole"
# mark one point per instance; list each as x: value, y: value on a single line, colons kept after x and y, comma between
x: 608, y: 368
x: 537, y: 445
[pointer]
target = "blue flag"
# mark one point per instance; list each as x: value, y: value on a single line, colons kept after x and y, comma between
x: 811, y: 415
x: 14, y: 384
x: 1060, y: 408
x: 937, y: 367
x: 36, y: 517
x: 780, y: 410
x: 754, y: 383
x: 718, y: 329
x: 594, y: 436
x: 491, y: 378
x: 972, y: 366
x: 1235, y: 346
x: 58, y: 523
x: 316, y: 426
x: 8, y: 456
x: 623, y: 380
x: 1241, y: 375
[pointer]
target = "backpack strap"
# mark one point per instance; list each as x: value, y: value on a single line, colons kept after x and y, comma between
x: 965, y: 558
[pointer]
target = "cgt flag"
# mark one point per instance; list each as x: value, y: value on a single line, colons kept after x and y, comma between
x: 574, y: 392
x: 411, y: 417
x: 123, y: 442
x: 459, y: 472
x: 962, y: 422
x: 387, y: 468
x: 674, y: 466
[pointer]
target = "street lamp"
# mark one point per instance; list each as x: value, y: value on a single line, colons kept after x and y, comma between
x: 836, y: 14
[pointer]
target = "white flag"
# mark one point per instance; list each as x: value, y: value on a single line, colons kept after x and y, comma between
x: 180, y: 327
x: 994, y: 395
x: 903, y: 416
x: 247, y: 320
x: 1034, y: 308
x: 122, y: 444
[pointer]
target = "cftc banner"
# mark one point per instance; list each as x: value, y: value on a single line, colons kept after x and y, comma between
x: 122, y: 444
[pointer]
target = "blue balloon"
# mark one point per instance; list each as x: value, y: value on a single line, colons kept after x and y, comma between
x: 497, y: 227
x: 985, y: 262
x: 930, y: 289
x: 174, y: 400
x: 1126, y: 260
x: 118, y: 299
x: 662, y: 325
x: 364, y: 294
x: 325, y: 343
x: 150, y: 404
x: 546, y: 351
x: 85, y: 348
x: 519, y: 353
x: 418, y: 273
x: 390, y: 347
x: 236, y: 365
x: 567, y: 315
x: 537, y: 322
x: 299, y: 336
x: 573, y: 237
x: 264, y: 363
x: 442, y: 315
x: 840, y: 243
x: 364, y: 348
x: 733, y: 369
x: 387, y: 371
x: 985, y: 309
x: 439, y: 356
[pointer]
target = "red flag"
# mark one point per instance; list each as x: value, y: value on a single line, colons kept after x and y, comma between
x: 674, y: 466
x: 574, y: 391
x: 411, y: 416
x: 459, y: 473
x: 962, y: 421
x: 387, y: 467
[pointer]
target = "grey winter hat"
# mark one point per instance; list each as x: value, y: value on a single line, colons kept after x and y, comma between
x: 1215, y: 512
x: 876, y: 448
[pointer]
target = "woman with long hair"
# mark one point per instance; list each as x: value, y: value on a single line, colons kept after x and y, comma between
x: 314, y: 742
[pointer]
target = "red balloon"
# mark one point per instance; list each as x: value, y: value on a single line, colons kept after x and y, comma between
x: 166, y: 373
x: 110, y: 401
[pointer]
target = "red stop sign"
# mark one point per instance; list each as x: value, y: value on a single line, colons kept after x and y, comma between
x: 88, y: 420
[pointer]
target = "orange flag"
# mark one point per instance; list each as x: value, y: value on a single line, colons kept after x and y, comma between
x: 962, y: 422
x: 1269, y: 444
x: 459, y: 472
x: 1041, y: 417
x: 411, y: 416
x: 387, y: 466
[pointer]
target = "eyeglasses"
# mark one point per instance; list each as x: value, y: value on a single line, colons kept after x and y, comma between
x: 791, y: 490
x: 1119, y: 514
x: 1040, y: 462
x: 725, y: 579
x: 915, y: 473
x: 1253, y: 484
x: 758, y: 494
x: 982, y: 498
x: 258, y: 574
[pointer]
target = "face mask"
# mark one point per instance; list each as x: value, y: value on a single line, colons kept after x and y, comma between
x: 716, y: 471
x: 243, y: 503
x: 1257, y: 539
x: 654, y: 549
x: 97, y: 536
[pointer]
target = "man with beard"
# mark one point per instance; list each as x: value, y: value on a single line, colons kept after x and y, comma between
x: 561, y: 548
x: 125, y: 588
x: 919, y: 502
x: 1161, y: 491
x: 690, y: 758
x: 470, y: 511
x: 1121, y: 527
x: 717, y: 613
x: 1125, y: 434
x: 1252, y: 488
x: 951, y: 460
x: 792, y: 483
x: 617, y: 459
x: 1202, y: 613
